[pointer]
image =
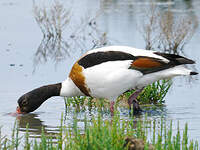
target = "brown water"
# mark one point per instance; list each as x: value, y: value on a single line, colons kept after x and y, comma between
x: 21, y: 38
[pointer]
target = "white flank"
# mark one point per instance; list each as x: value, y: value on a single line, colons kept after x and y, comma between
x: 69, y: 89
x: 111, y: 79
x: 164, y: 74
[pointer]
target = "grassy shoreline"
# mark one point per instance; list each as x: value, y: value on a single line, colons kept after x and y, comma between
x: 106, y: 135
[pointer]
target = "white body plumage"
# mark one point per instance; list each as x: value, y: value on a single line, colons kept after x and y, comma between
x: 110, y: 79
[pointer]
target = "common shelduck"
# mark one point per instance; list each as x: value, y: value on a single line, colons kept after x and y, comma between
x: 108, y: 72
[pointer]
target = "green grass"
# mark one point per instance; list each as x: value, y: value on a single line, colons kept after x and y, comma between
x: 100, y: 134
x: 153, y: 93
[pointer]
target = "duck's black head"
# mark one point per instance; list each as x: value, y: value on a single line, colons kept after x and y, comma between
x: 33, y: 99
x: 29, y: 102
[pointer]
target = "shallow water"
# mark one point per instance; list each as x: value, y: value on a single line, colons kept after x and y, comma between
x: 20, y: 38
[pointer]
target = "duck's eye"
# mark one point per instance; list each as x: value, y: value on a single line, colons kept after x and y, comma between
x: 24, y: 102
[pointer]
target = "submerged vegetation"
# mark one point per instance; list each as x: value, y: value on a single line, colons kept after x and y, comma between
x: 101, y: 134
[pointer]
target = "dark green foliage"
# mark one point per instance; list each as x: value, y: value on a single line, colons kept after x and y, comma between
x: 76, y: 102
x: 155, y: 93
x: 82, y: 103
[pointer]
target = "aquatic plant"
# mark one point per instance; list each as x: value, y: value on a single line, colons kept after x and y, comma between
x: 176, y: 31
x: 149, y: 27
x: 52, y: 21
x: 81, y: 103
x: 166, y: 30
x: 106, y: 134
x: 76, y: 102
x: 80, y: 35
x: 155, y: 93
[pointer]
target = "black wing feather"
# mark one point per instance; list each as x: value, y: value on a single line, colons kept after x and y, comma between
x: 97, y: 58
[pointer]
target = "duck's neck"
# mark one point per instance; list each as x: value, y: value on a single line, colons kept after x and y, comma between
x: 46, y: 91
x: 66, y: 88
x: 51, y: 90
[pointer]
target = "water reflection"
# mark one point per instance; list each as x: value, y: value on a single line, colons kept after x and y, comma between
x: 35, y: 126
x: 53, y: 48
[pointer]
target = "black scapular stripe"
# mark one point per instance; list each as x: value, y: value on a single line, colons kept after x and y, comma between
x: 176, y: 59
x: 93, y: 59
